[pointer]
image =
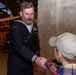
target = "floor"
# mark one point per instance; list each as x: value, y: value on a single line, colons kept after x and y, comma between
x: 3, y: 63
x: 3, y: 66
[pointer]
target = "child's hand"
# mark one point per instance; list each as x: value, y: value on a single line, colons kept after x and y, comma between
x: 53, y: 69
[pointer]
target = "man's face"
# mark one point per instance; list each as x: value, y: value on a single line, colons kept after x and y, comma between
x: 27, y: 15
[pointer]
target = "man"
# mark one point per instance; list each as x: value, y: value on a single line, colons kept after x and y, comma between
x: 65, y: 53
x: 24, y: 43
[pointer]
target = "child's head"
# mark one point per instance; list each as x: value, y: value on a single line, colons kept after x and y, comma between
x: 65, y: 45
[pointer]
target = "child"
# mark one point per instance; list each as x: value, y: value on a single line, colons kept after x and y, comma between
x: 65, y: 52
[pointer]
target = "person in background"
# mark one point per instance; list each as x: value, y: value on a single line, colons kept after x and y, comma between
x: 24, y: 43
x: 65, y: 53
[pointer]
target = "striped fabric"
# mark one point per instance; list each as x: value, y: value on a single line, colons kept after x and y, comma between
x: 69, y: 69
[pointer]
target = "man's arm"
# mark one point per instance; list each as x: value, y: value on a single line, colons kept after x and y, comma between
x: 21, y: 50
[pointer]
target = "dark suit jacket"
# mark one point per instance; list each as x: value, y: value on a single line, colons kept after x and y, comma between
x: 23, y: 45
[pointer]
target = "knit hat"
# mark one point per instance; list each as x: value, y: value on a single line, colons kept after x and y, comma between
x: 65, y: 44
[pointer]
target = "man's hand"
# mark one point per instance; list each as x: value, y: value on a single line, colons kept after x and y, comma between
x: 40, y: 61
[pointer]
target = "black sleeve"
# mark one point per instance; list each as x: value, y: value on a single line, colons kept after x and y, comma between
x: 37, y: 46
x: 16, y: 41
x: 36, y: 43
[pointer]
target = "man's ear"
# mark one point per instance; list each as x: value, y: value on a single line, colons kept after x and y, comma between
x: 20, y: 13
